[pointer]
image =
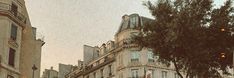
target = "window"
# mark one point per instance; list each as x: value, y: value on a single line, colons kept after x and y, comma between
x: 150, y: 73
x: 97, y: 53
x: 133, y: 22
x: 11, y: 59
x: 176, y: 75
x: 120, y: 59
x: 13, y: 32
x: 94, y: 75
x: 150, y: 56
x: 135, y: 56
x: 9, y: 76
x: 110, y: 72
x: 134, y: 73
x: 164, y: 74
x: 101, y: 73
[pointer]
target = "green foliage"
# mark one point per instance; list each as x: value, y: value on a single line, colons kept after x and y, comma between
x: 191, y: 34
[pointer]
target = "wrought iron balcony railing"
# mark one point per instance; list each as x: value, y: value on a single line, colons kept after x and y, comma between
x: 121, y: 44
x: 7, y: 9
x: 92, y: 68
x: 125, y: 43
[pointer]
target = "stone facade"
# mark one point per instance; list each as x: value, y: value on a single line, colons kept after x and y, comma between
x: 19, y: 47
x: 122, y: 58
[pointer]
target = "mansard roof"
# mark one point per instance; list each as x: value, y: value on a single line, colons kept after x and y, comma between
x: 133, y: 21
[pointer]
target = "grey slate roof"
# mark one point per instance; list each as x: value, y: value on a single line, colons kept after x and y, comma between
x: 133, y: 21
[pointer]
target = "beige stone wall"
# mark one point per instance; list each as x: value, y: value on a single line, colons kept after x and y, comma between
x: 31, y: 54
x: 5, y: 44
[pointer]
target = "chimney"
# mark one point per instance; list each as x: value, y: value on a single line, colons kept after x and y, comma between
x: 34, y: 31
x: 51, y: 68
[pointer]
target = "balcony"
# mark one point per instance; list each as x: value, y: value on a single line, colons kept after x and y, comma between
x: 13, y: 42
x: 126, y: 43
x: 89, y: 69
x: 14, y: 14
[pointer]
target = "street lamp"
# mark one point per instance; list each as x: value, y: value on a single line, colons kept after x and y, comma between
x: 223, y: 55
x: 222, y: 29
x: 33, y: 68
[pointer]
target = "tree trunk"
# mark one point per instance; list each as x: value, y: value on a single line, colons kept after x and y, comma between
x: 176, y: 68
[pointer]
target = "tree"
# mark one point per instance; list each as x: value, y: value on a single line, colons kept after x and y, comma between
x: 192, y: 35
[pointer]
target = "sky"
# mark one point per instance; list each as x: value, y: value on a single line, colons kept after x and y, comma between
x: 67, y: 25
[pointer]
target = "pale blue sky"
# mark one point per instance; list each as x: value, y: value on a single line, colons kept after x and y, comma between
x: 69, y: 24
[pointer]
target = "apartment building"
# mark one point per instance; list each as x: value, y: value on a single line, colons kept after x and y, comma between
x: 122, y: 58
x: 20, y: 49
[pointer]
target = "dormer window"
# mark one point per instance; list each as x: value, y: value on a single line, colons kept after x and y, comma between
x: 133, y: 22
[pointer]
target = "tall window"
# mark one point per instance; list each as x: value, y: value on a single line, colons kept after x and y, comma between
x: 11, y: 59
x: 101, y: 73
x: 135, y: 56
x: 134, y: 73
x: 94, y: 74
x: 133, y: 22
x: 13, y: 32
x: 110, y: 71
x: 150, y: 56
x: 164, y: 74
